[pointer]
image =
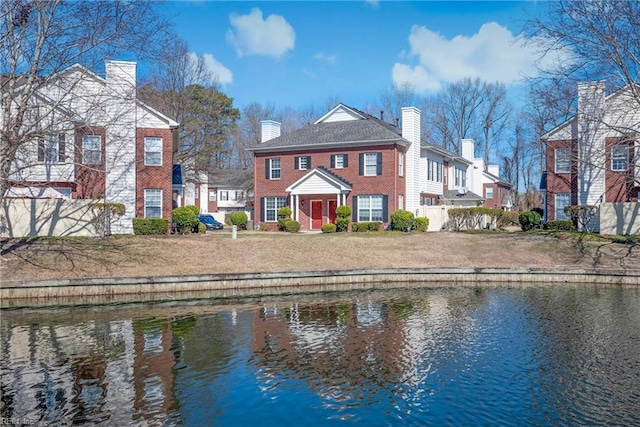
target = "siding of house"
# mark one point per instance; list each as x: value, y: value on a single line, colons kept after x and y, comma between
x: 389, y: 183
x: 156, y: 177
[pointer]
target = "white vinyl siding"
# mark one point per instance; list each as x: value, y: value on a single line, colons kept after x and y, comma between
x: 562, y: 200
x: 91, y: 149
x: 562, y: 160
x: 152, y: 203
x: 153, y: 151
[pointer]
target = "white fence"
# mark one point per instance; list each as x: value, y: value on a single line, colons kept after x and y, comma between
x: 47, y: 217
x: 620, y: 218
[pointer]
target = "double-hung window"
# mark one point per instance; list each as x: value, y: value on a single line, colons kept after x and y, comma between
x: 51, y: 149
x: 562, y: 200
x: 461, y: 178
x: 224, y: 196
x: 91, y: 149
x: 339, y: 161
x: 239, y: 195
x: 152, y: 203
x: 400, y: 164
x: 271, y: 206
x: 303, y: 162
x: 370, y: 164
x: 273, y: 168
x: 619, y: 158
x: 563, y: 160
x: 212, y: 196
x: 153, y: 151
x: 370, y: 208
x: 489, y: 192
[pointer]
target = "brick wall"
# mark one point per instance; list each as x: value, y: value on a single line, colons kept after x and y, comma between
x: 619, y: 184
x: 389, y: 183
x: 154, y: 176
x: 560, y: 182
x: 90, y: 179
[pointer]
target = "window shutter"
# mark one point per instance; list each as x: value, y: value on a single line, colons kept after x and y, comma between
x: 333, y: 160
x: 355, y: 208
x: 266, y: 169
x: 345, y: 157
x: 41, y: 150
x: 61, y: 147
x: 308, y: 162
x: 361, y: 158
x: 378, y: 163
x: 296, y: 162
x: 385, y: 208
x: 261, y: 209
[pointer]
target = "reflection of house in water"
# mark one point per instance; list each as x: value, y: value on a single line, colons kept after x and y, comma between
x: 88, y: 372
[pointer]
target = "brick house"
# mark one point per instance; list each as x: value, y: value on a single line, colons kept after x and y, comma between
x: 592, y: 158
x: 98, y: 141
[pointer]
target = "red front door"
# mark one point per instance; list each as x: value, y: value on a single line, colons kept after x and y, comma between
x: 332, y: 211
x: 316, y: 214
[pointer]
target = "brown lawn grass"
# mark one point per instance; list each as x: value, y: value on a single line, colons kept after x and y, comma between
x: 214, y: 253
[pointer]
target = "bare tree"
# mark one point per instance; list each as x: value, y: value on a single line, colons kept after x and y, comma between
x: 41, y: 39
x: 494, y: 114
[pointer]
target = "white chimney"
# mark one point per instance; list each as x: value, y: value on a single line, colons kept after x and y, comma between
x: 270, y: 130
x: 591, y: 142
x: 411, y: 132
x: 494, y: 170
x: 468, y: 149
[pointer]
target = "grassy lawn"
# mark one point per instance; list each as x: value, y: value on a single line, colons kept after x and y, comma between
x: 254, y: 251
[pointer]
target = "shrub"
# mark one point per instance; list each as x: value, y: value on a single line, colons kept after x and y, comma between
x: 559, y: 225
x: 105, y: 214
x: 284, y: 214
x: 401, y: 220
x: 265, y: 227
x: 328, y: 228
x: 365, y: 226
x: 343, y: 215
x: 202, y: 228
x: 194, y: 209
x: 508, y: 218
x: 529, y: 220
x: 291, y: 226
x: 539, y: 211
x: 185, y: 219
x: 146, y: 226
x: 239, y: 219
x: 420, y: 224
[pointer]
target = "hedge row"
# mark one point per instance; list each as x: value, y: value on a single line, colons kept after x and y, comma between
x: 146, y: 226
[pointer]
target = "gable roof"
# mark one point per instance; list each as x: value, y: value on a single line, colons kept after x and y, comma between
x: 320, y: 178
x: 359, y: 129
x: 456, y: 195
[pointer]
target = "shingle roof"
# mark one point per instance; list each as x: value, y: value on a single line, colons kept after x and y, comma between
x: 455, y: 195
x: 366, y: 130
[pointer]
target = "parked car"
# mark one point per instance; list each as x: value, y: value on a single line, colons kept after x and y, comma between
x: 210, y: 222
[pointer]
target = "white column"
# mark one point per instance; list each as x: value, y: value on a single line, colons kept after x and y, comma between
x: 297, y: 207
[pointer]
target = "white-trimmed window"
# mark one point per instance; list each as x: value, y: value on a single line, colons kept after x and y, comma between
x: 212, y: 196
x: 401, y: 164
x: 152, y: 203
x: 271, y: 206
x: 489, y: 192
x: 562, y: 200
x: 400, y: 201
x: 562, y: 160
x: 239, y: 195
x: 461, y: 178
x: 224, y: 196
x: 370, y: 164
x: 370, y: 208
x: 339, y: 161
x: 51, y: 149
x: 302, y: 163
x: 91, y: 149
x: 152, y: 151
x: 273, y: 168
x: 619, y: 158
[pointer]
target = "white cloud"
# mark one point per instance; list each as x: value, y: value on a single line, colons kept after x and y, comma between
x: 373, y: 3
x: 219, y: 73
x: 328, y: 59
x: 253, y: 35
x: 492, y: 54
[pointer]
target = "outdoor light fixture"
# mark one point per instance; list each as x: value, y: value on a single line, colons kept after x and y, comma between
x: 302, y: 202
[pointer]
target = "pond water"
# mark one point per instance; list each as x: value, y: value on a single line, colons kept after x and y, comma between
x: 547, y: 355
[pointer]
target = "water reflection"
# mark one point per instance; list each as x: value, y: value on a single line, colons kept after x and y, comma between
x: 541, y: 356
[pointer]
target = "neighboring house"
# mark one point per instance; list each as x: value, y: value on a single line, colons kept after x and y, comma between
x: 590, y: 157
x: 351, y: 158
x: 484, y: 180
x: 100, y: 142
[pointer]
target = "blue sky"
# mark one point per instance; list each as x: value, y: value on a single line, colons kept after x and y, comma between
x: 296, y: 53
